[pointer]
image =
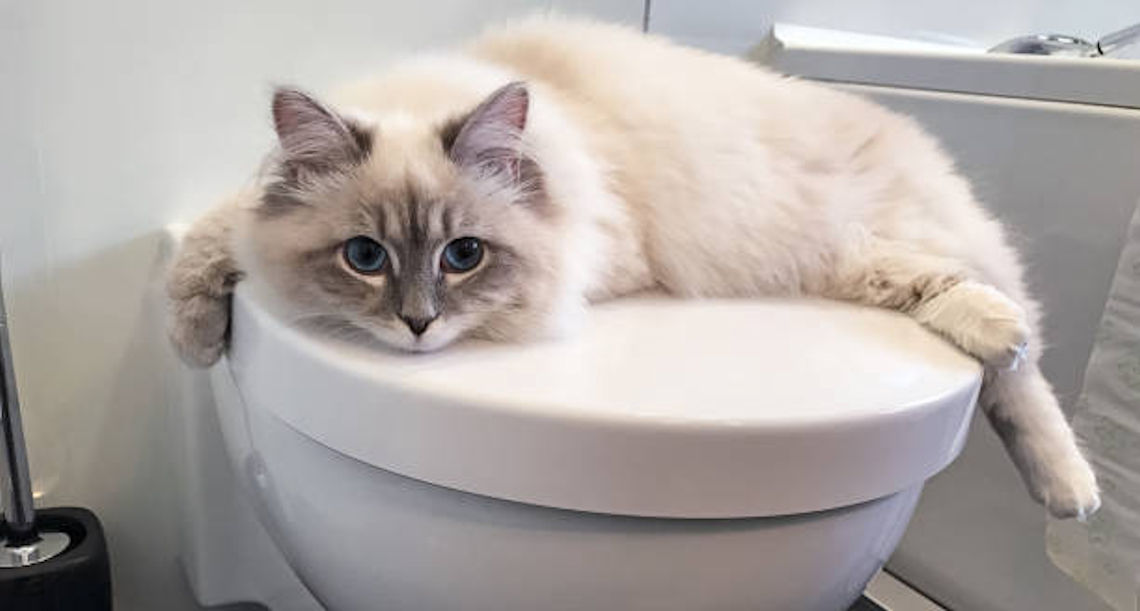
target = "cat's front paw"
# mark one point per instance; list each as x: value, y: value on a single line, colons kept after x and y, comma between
x: 199, y: 327
x: 1002, y: 342
x: 982, y: 321
x: 1069, y: 491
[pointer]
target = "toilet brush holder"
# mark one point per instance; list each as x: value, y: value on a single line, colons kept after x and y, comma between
x: 50, y: 559
x: 43, y: 576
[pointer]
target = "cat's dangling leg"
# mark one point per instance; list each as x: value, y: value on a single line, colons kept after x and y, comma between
x: 943, y: 295
x: 1023, y: 410
x: 199, y: 286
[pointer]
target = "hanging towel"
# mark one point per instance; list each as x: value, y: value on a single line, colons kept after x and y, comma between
x: 1104, y: 554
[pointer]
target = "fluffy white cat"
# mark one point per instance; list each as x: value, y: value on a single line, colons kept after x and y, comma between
x: 496, y: 191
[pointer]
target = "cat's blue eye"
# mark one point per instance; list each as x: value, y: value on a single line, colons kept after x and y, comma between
x: 462, y: 255
x: 365, y: 255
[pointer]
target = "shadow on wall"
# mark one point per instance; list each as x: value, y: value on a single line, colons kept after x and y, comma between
x: 90, y: 354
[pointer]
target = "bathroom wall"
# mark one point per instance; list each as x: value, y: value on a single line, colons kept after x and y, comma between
x: 117, y: 118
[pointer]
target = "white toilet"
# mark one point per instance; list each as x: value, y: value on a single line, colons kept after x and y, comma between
x: 674, y: 455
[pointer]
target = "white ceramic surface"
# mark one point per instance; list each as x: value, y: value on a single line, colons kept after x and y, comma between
x: 633, y: 401
x: 365, y: 539
x: 663, y: 407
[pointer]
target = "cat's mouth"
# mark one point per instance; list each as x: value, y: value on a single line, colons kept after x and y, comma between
x: 401, y: 338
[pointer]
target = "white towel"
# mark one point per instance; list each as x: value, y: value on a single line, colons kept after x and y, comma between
x: 1104, y: 554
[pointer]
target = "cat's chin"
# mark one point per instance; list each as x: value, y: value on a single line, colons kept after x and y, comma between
x: 421, y: 346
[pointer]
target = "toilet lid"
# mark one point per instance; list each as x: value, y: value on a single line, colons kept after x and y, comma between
x: 657, y: 407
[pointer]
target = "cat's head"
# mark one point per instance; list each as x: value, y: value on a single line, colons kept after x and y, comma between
x: 415, y: 232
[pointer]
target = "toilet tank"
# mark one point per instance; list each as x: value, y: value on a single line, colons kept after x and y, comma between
x: 1051, y: 146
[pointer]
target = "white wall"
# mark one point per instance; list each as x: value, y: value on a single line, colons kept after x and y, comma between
x: 117, y: 118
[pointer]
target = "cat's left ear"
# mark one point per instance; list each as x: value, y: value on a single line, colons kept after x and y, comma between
x: 490, y: 138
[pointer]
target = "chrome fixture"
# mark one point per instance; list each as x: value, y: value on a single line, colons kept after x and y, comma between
x: 20, y: 542
x: 1070, y: 46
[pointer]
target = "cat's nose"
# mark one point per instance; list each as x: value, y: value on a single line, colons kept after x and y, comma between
x: 417, y: 324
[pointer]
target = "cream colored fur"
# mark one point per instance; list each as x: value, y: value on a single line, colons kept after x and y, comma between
x: 704, y: 176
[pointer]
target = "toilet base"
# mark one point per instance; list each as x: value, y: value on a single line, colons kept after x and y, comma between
x: 363, y: 538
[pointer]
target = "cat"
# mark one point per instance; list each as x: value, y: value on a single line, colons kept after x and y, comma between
x: 496, y: 191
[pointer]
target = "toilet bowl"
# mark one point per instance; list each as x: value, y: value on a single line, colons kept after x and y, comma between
x: 671, y: 455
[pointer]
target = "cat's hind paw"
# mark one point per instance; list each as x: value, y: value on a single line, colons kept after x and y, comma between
x: 1070, y: 491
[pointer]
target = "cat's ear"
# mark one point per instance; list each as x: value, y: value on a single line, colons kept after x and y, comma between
x: 313, y: 137
x: 489, y: 139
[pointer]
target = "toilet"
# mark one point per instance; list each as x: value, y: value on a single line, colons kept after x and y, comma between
x: 671, y: 455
